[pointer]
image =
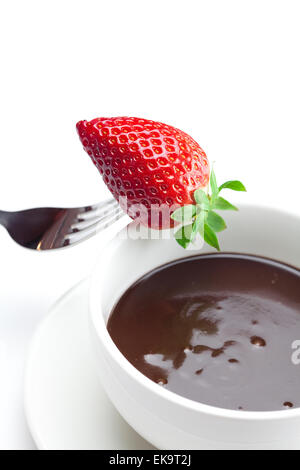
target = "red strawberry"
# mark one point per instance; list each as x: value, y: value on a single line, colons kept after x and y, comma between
x: 148, y: 162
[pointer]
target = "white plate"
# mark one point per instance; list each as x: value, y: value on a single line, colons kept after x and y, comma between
x: 66, y: 407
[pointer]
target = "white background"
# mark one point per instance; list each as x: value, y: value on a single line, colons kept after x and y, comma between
x: 227, y: 72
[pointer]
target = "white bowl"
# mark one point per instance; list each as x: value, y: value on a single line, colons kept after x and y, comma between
x: 168, y: 420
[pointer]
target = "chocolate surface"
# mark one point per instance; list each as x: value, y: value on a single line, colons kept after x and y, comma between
x: 217, y: 329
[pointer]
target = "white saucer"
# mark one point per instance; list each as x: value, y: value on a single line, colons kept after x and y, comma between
x: 65, y: 405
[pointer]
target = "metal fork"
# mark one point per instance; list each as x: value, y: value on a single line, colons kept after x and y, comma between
x: 46, y: 228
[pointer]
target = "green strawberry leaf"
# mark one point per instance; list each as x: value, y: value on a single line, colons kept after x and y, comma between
x: 198, y: 225
x: 203, y: 219
x: 213, y: 184
x: 202, y: 199
x: 216, y: 222
x: 184, y: 234
x: 210, y: 237
x: 185, y: 213
x: 234, y: 185
x: 222, y: 205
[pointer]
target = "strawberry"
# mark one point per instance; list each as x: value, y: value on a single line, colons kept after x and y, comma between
x: 156, y: 167
x: 148, y: 162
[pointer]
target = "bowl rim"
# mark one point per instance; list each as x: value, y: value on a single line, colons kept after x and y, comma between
x: 99, y: 326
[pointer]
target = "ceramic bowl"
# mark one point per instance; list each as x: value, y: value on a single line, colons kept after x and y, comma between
x: 167, y: 420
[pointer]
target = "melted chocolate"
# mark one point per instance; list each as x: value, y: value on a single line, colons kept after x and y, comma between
x: 217, y: 329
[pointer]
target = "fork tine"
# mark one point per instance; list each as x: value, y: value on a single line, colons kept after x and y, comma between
x: 83, y: 223
x: 107, y: 202
x: 100, y: 205
x: 94, y: 228
x: 103, y: 224
x: 97, y: 211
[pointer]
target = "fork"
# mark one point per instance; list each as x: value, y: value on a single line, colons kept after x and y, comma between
x: 46, y: 228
